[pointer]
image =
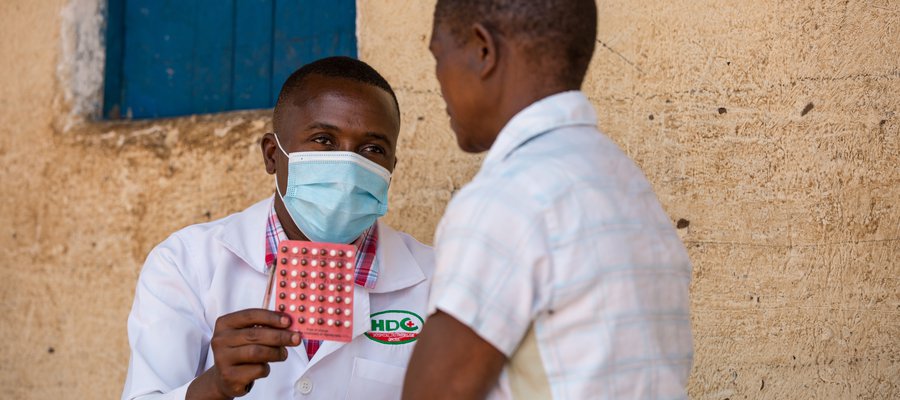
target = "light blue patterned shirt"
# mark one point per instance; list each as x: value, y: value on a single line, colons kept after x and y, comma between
x: 559, y: 254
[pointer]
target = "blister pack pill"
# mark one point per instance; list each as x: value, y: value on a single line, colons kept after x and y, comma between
x: 314, y: 285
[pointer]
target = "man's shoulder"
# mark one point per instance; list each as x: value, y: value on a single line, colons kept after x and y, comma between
x: 411, y: 242
x: 491, y: 212
x: 422, y: 253
x: 526, y: 181
x: 258, y: 210
x: 568, y: 152
x: 568, y: 167
x: 488, y: 194
x: 205, y: 232
x: 184, y: 252
x: 571, y: 161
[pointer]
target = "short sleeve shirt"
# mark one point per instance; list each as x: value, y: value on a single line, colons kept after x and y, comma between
x: 559, y: 255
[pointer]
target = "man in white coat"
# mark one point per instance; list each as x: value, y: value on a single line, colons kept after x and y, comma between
x: 196, y: 330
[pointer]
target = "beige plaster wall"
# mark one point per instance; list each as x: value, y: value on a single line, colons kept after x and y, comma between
x: 770, y: 128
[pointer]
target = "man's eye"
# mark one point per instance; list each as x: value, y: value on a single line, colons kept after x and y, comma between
x: 323, y: 141
x: 374, y: 149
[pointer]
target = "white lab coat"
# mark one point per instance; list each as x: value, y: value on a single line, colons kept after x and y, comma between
x: 208, y: 270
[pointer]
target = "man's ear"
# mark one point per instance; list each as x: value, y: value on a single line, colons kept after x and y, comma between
x: 486, y: 45
x: 394, y: 167
x: 269, y: 148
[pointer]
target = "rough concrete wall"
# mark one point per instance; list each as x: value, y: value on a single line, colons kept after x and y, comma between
x: 773, y: 128
x: 770, y: 129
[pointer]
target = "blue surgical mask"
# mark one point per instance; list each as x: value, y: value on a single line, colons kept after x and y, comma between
x: 334, y: 196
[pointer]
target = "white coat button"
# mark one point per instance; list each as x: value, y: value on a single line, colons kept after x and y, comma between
x: 304, y: 386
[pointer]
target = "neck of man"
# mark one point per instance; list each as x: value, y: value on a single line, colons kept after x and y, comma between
x: 518, y: 89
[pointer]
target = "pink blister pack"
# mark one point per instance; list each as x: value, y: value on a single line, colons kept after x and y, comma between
x: 314, y: 285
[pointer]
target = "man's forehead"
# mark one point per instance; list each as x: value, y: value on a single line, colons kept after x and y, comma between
x: 345, y: 118
x: 318, y: 87
x: 331, y: 94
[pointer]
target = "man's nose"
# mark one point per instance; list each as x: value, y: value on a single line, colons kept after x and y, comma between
x: 348, y: 145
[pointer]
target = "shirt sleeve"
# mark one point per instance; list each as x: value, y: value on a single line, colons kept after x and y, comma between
x: 166, y: 332
x: 492, y: 265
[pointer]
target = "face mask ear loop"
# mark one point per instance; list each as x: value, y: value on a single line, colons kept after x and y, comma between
x: 278, y: 142
x: 278, y: 189
x: 280, y: 196
x: 288, y: 209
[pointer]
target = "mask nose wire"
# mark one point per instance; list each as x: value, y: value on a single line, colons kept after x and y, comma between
x: 388, y: 173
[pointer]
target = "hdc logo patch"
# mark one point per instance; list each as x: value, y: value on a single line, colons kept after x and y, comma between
x: 395, y: 327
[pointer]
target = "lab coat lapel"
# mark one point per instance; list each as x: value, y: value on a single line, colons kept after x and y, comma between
x: 245, y: 235
x: 398, y: 268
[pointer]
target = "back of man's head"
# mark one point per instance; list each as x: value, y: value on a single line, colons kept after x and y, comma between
x: 556, y: 36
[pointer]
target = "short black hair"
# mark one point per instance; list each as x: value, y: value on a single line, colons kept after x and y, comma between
x: 549, y: 31
x: 336, y: 67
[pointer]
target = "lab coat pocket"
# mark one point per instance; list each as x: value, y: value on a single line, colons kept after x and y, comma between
x: 373, y: 380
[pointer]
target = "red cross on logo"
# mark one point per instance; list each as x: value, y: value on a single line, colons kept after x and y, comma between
x: 410, y: 324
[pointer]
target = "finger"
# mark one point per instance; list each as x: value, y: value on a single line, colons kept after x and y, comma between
x: 255, y: 354
x: 233, y: 347
x: 248, y: 355
x: 269, y: 336
x: 263, y: 336
x: 237, y: 380
x: 253, y: 317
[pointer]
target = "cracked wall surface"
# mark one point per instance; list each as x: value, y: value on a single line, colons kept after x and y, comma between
x: 770, y: 131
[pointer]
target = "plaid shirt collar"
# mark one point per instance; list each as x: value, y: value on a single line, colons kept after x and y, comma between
x: 367, y: 245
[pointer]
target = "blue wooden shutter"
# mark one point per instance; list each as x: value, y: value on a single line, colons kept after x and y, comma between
x: 168, y: 58
x: 302, y: 35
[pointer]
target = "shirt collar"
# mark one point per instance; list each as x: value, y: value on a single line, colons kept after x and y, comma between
x: 570, y: 108
x: 367, y: 266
